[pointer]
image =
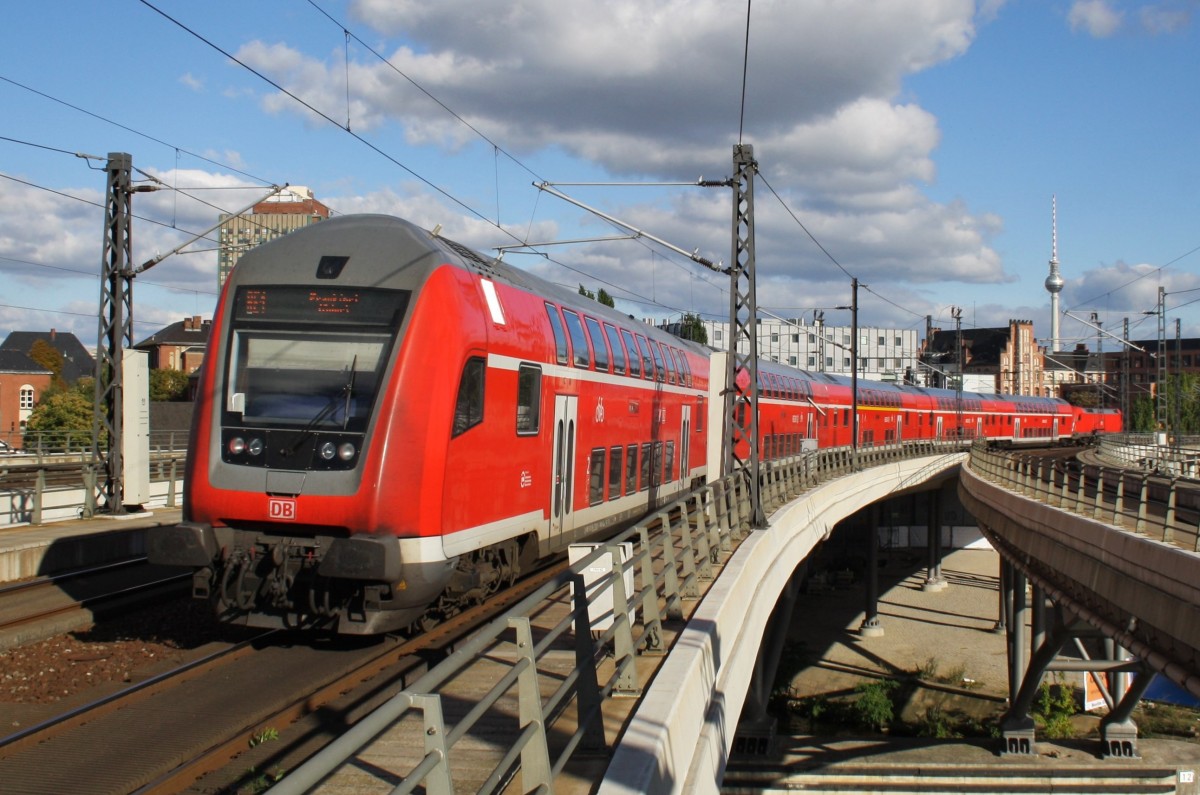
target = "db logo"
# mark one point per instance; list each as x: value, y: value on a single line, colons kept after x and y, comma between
x: 281, y: 509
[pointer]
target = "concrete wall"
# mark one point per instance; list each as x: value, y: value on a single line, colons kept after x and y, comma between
x: 680, y: 738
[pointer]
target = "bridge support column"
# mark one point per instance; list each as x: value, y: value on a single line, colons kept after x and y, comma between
x: 756, y: 728
x: 871, y: 628
x: 1118, y: 731
x: 933, y: 576
x: 1004, y: 600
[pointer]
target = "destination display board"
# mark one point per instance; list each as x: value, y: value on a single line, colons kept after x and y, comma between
x: 302, y: 304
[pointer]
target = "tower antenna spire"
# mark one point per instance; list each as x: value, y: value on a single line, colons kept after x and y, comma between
x: 1054, y: 282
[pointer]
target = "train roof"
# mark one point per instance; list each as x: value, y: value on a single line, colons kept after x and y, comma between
x: 844, y: 381
x: 411, y: 254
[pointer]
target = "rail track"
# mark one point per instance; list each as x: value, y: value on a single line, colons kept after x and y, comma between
x: 33, y: 609
x: 163, y: 734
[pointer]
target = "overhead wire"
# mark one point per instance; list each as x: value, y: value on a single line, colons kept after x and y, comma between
x: 369, y: 144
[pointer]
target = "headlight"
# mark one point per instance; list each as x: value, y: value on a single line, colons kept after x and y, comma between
x: 328, y: 450
x: 255, y: 446
x: 346, y: 451
x: 237, y: 445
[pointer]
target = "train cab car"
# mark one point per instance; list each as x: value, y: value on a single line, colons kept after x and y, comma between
x: 391, y: 426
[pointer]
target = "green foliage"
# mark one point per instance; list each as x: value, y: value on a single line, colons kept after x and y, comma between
x: 1181, y: 396
x: 692, y: 328
x: 873, y: 707
x: 168, y: 385
x: 1053, y: 709
x: 1142, y: 420
x: 66, y: 414
x: 602, y: 297
x: 936, y: 722
x: 266, y: 735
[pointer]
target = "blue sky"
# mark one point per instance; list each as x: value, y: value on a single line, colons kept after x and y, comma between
x: 920, y: 143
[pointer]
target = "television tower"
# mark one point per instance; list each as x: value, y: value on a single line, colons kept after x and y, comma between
x: 1054, y: 282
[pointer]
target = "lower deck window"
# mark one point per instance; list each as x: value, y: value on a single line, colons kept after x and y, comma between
x: 468, y: 408
x: 529, y: 392
x: 615, y: 470
x: 596, y: 477
x: 631, y: 470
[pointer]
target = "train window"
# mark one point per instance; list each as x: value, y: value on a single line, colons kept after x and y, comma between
x: 647, y: 362
x: 614, y: 472
x: 657, y: 465
x: 468, y: 409
x: 646, y: 467
x: 659, y: 373
x: 614, y: 342
x: 560, y: 336
x: 631, y: 469
x: 578, y: 339
x: 670, y: 461
x: 596, y: 477
x: 635, y: 359
x: 687, y: 368
x: 670, y: 363
x: 699, y: 415
x: 529, y: 398
x: 599, y: 344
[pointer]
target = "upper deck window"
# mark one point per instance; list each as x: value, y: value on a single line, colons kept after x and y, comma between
x: 635, y: 358
x: 647, y: 362
x: 578, y: 339
x: 614, y: 342
x: 560, y: 336
x: 599, y: 344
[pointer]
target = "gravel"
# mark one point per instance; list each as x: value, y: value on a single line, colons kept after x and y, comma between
x: 138, y: 644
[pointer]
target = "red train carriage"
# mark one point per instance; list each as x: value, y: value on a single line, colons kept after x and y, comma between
x: 389, y: 422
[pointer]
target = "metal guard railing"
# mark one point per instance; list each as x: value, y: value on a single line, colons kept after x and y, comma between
x: 1162, y: 507
x: 687, y: 553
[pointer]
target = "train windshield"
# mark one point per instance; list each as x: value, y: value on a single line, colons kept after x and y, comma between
x: 322, y: 373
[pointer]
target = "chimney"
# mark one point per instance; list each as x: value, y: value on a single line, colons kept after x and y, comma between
x: 53, y: 333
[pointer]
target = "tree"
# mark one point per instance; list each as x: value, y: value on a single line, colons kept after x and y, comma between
x: 169, y: 385
x: 602, y: 297
x: 692, y: 328
x: 65, y: 417
x: 49, y: 357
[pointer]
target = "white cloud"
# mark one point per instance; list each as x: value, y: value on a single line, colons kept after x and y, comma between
x: 191, y: 81
x: 1164, y: 19
x: 1095, y: 17
x: 653, y: 91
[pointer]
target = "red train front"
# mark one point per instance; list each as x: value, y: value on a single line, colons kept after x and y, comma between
x: 389, y: 423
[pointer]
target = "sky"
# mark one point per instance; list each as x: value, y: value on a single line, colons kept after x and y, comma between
x: 916, y: 145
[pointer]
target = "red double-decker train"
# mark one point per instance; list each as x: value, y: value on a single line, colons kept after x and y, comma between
x: 390, y: 425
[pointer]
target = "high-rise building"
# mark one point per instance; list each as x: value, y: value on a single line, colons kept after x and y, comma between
x: 286, y: 211
x: 883, y: 354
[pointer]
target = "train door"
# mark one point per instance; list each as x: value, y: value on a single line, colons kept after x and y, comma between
x: 1016, y: 429
x: 1054, y: 432
x: 685, y: 466
x: 938, y: 434
x: 562, y: 517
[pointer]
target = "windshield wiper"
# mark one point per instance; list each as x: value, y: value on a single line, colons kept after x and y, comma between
x: 346, y: 391
x: 349, y: 391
